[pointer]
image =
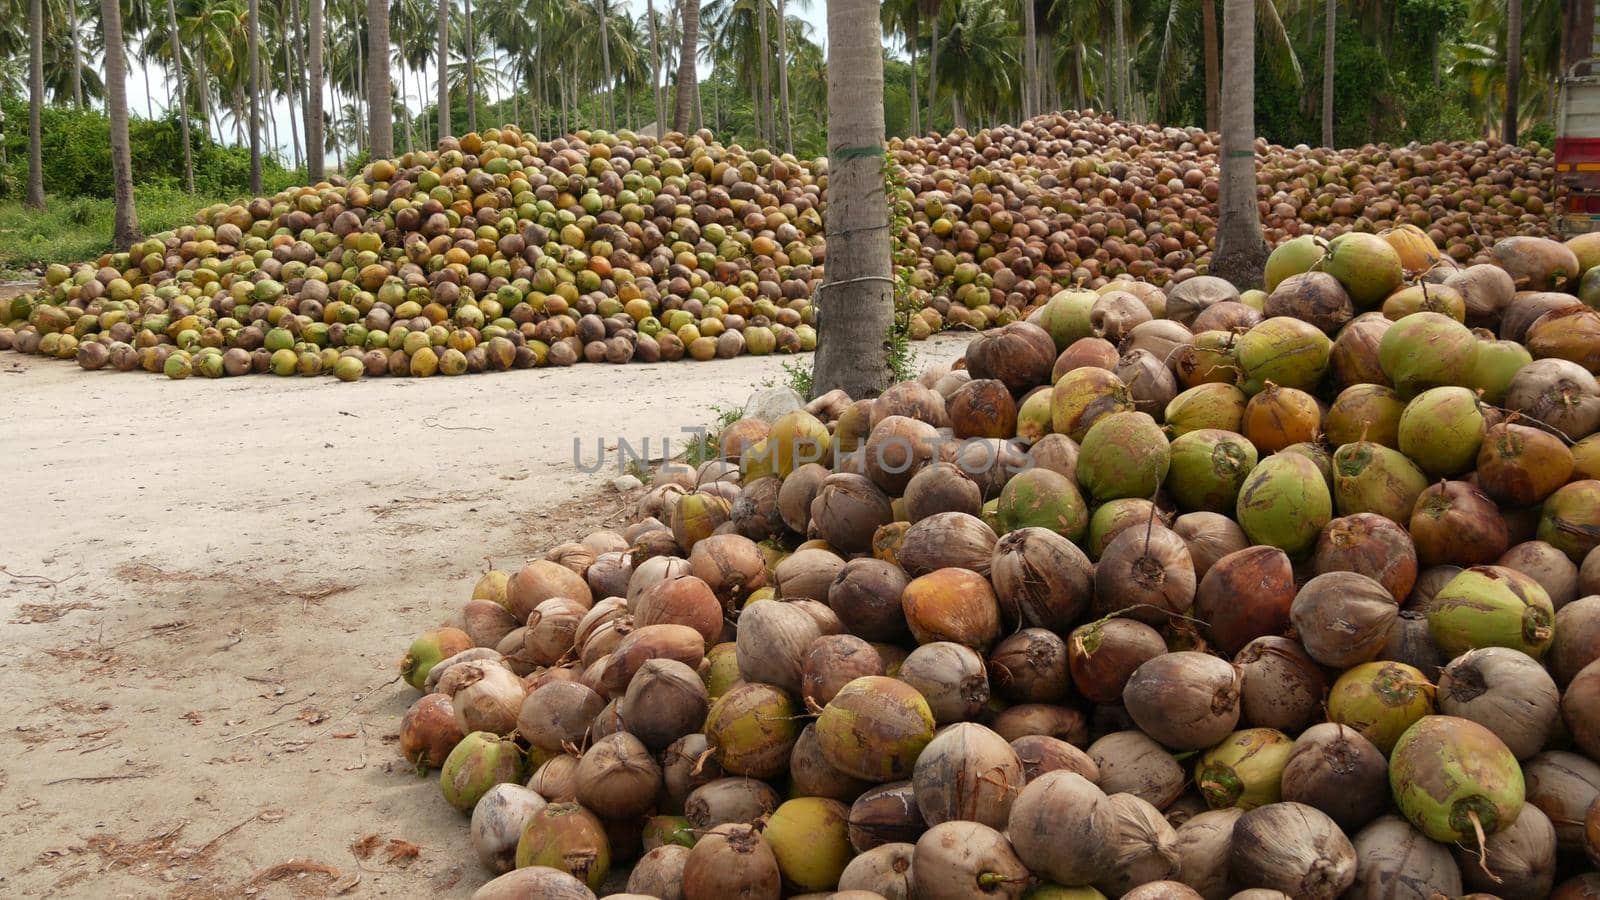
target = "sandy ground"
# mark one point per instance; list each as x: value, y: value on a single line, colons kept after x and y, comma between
x: 205, y: 587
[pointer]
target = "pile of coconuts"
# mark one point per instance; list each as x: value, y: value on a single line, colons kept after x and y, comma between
x: 1157, y: 594
x: 499, y: 251
x: 494, y: 252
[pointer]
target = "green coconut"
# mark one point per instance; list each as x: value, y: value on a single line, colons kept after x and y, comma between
x: 696, y: 516
x: 1364, y: 412
x: 810, y: 837
x: 1427, y: 350
x: 1589, y: 288
x: 1319, y: 456
x: 1292, y: 257
x: 1110, y: 518
x: 1570, y: 521
x: 660, y: 831
x: 1284, y: 502
x: 797, y: 438
x: 1034, y: 415
x: 1124, y: 455
x: 479, y: 762
x: 752, y: 728
x: 1367, y: 266
x: 1369, y: 477
x: 1045, y: 499
x: 1441, y: 431
x: 1083, y: 397
x: 1066, y: 316
x: 569, y: 838
x: 1208, y: 468
x: 1455, y: 780
x: 721, y: 672
x: 1491, y: 606
x: 1285, y: 351
x: 874, y: 729
x: 1496, y: 364
x: 1245, y: 770
x: 1214, y: 405
x: 430, y: 649
x: 1380, y: 700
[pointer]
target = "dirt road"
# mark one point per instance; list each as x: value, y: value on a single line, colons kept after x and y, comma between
x: 205, y: 587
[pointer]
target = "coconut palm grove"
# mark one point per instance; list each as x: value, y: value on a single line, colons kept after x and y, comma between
x: 1179, y: 475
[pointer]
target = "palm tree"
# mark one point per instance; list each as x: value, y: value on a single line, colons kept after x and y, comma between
x: 765, y: 53
x: 380, y: 110
x: 1241, y: 252
x: 857, y: 300
x: 1330, y: 9
x: 316, y: 142
x: 903, y: 17
x: 73, y: 33
x: 253, y: 36
x: 125, y: 230
x: 930, y: 11
x: 688, y: 93
x: 1208, y: 30
x: 470, y: 29
x: 183, y: 103
x: 605, y: 61
x: 1508, y: 129
x: 976, y: 50
x: 1030, y: 61
x: 655, y: 67
x: 443, y: 101
x: 783, y: 77
x: 35, y: 104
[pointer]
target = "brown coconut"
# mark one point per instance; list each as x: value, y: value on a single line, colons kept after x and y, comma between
x: 1103, y: 654
x: 1245, y: 595
x: 1343, y: 618
x: 1371, y: 545
x: 1280, y: 685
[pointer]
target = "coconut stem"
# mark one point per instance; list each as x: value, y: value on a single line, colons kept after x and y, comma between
x: 1483, y: 849
x: 995, y: 879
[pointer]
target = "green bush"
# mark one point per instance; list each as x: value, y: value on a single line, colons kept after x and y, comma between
x: 77, y: 155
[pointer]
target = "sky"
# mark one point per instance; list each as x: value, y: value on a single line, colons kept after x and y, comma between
x: 145, y: 102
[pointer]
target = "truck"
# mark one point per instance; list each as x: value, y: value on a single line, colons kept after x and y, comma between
x: 1577, y: 156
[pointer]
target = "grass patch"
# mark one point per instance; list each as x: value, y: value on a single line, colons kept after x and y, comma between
x: 79, y: 229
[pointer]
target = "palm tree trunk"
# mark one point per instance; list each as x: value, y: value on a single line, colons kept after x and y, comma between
x: 1208, y: 33
x: 380, y: 107
x: 296, y: 62
x: 75, y: 47
x: 933, y: 68
x: 605, y: 62
x: 764, y: 107
x: 716, y: 107
x: 916, y: 101
x: 1108, y: 58
x: 316, y: 144
x: 35, y: 104
x: 783, y: 76
x: 443, y: 99
x: 253, y: 57
x: 655, y: 68
x: 149, y: 95
x: 289, y: 96
x: 1079, y: 99
x: 183, y: 102
x: 1030, y: 61
x: 1329, y: 14
x: 1508, y: 128
x: 1119, y: 68
x: 687, y: 100
x: 405, y: 103
x: 857, y: 299
x: 125, y: 231
x: 1241, y: 252
x: 472, y: 70
x: 958, y: 112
